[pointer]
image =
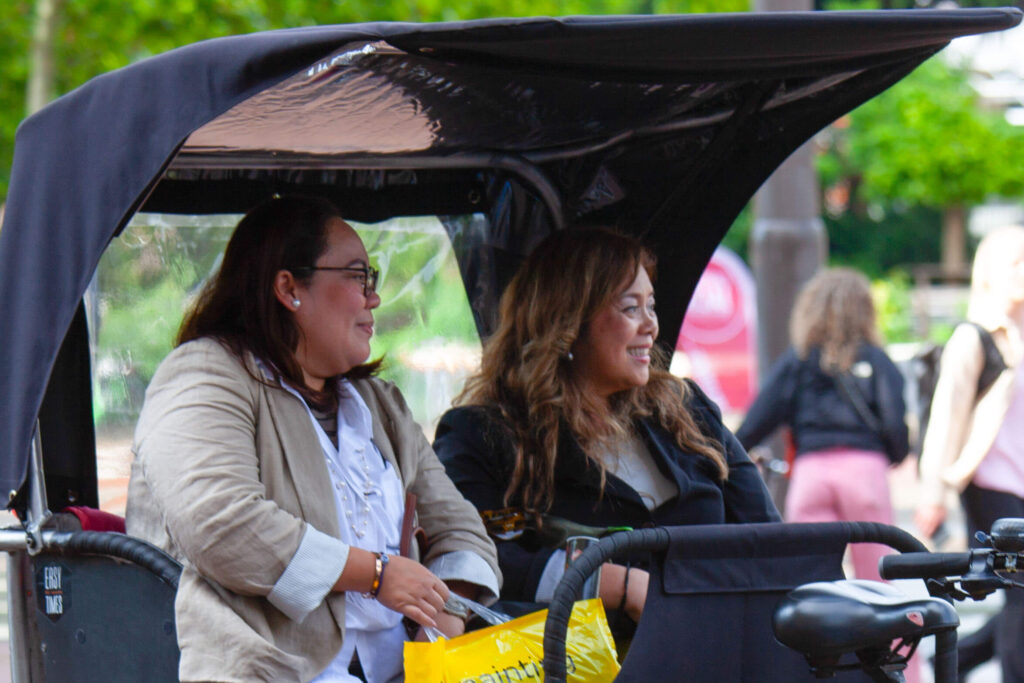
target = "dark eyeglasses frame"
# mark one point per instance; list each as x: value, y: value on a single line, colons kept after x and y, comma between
x: 370, y: 275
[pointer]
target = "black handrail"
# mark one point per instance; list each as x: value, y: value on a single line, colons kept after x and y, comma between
x: 117, y: 545
x: 657, y: 539
x: 592, y: 557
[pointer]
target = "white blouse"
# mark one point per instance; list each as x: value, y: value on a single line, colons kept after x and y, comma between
x: 370, y: 503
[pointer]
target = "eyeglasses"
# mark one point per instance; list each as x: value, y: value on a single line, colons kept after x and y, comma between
x: 367, y: 275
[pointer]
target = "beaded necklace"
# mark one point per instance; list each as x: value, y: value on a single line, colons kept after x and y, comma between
x: 351, y: 498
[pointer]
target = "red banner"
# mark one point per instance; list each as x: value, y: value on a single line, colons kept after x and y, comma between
x: 717, y: 345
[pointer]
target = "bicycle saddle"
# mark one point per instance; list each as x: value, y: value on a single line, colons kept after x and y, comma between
x: 833, y: 618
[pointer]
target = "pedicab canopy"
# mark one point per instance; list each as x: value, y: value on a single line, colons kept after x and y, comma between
x: 661, y: 125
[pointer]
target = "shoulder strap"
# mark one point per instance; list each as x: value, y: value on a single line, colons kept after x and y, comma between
x: 854, y: 396
x: 994, y: 364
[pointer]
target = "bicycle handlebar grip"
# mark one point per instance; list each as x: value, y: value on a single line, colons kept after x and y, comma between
x: 924, y: 565
x: 1008, y: 534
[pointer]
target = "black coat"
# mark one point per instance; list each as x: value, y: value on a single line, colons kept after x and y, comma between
x: 478, y: 453
x: 798, y: 393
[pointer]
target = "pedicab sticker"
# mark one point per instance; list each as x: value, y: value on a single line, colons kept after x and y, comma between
x: 514, y: 651
x: 53, y: 590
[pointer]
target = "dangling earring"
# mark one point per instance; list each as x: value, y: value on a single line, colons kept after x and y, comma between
x: 296, y: 303
x: 571, y: 357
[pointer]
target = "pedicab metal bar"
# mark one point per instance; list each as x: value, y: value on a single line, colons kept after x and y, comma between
x: 99, y: 543
x: 657, y: 540
x: 571, y: 586
x: 519, y: 164
x: 38, y: 508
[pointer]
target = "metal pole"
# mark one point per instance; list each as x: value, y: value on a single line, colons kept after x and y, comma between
x: 945, y: 657
x: 788, y: 244
x: 38, y: 512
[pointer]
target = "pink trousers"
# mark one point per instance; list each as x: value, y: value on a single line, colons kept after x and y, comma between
x: 843, y: 485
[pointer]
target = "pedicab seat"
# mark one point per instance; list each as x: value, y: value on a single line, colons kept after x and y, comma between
x: 91, y: 519
x: 824, y: 620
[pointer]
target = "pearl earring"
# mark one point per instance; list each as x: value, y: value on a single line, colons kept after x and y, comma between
x: 571, y: 357
x: 296, y: 303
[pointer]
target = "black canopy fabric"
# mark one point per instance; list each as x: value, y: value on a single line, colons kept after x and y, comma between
x: 664, y: 126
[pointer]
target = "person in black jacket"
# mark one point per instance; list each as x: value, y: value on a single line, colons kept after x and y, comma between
x: 573, y: 414
x: 842, y: 398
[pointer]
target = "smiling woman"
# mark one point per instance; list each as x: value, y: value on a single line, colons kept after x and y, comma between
x: 573, y: 414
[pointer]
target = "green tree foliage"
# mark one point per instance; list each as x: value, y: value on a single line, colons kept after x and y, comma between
x: 910, y: 158
x: 15, y: 33
x: 143, y: 283
x: 926, y: 141
x: 884, y: 238
x: 893, y: 308
x: 907, y: 4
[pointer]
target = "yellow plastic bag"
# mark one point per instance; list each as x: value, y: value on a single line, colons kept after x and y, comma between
x: 514, y: 651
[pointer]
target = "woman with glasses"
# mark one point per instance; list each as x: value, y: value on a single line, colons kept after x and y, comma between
x: 273, y: 465
x: 574, y: 415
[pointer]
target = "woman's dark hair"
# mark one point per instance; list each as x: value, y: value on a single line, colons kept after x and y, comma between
x: 238, y: 306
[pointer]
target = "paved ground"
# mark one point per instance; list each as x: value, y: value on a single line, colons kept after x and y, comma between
x: 113, y: 468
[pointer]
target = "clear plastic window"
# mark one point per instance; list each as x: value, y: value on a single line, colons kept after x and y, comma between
x: 147, y: 277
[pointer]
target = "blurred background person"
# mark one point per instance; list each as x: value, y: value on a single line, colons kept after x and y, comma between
x: 842, y: 399
x: 974, y: 443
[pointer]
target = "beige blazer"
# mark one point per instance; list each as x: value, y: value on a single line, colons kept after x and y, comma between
x: 227, y: 473
x: 961, y: 426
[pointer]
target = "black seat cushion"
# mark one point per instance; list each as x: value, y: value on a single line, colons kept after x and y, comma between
x: 834, y: 618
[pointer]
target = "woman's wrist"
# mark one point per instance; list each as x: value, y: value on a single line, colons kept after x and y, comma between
x: 360, y: 573
x: 449, y: 624
x: 380, y: 565
x: 463, y: 588
x: 613, y: 584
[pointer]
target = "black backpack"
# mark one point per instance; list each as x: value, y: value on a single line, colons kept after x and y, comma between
x: 927, y: 367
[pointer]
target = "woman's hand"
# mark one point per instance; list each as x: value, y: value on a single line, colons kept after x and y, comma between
x: 613, y: 580
x: 452, y: 625
x: 411, y: 589
x: 929, y: 518
x: 406, y: 586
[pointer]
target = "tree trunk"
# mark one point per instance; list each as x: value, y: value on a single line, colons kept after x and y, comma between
x: 954, y: 242
x: 41, y: 81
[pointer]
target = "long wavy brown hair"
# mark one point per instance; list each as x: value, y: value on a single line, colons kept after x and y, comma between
x: 834, y: 313
x: 238, y: 307
x: 527, y: 374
